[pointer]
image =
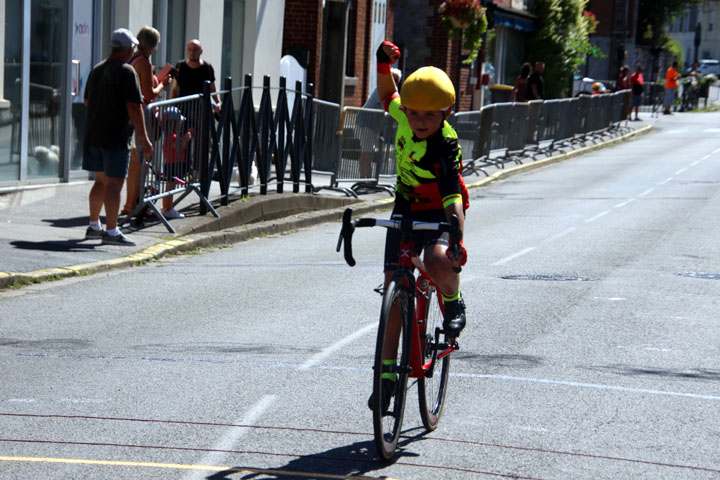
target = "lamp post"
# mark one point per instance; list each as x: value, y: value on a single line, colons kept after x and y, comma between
x: 698, y: 39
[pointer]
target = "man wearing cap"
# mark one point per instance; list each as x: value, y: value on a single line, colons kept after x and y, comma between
x: 114, y: 102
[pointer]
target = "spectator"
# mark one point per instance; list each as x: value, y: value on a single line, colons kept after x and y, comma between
x: 190, y: 76
x: 114, y: 102
x: 624, y: 79
x: 175, y: 140
x: 148, y: 39
x: 373, y: 100
x: 534, y: 89
x: 690, y: 89
x: 671, y: 82
x: 637, y: 85
x: 368, y: 129
x: 520, y: 87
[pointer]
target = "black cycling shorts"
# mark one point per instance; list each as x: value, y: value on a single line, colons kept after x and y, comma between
x: 423, y: 239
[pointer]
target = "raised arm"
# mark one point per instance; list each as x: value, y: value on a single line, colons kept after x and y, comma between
x: 387, y: 54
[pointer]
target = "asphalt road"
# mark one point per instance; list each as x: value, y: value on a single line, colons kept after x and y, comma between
x: 592, y: 349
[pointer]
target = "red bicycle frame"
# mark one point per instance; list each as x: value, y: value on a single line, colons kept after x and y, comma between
x: 407, y: 261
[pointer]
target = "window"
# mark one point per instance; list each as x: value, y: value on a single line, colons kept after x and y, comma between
x: 232, y: 46
x: 11, y: 94
x: 711, y: 21
x: 169, y: 19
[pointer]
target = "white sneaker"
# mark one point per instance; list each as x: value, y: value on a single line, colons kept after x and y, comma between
x: 172, y: 214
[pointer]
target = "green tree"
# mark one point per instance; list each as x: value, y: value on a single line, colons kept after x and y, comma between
x: 561, y: 41
x: 654, y: 16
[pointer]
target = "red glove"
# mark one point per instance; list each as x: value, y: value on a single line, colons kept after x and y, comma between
x: 387, y: 54
x: 462, y: 254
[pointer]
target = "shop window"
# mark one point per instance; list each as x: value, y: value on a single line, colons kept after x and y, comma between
x: 11, y: 93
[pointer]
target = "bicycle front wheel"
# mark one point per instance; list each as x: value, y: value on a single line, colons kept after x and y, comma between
x: 432, y: 389
x: 392, y: 358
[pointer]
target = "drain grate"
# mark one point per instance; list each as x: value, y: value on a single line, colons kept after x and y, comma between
x: 706, y: 276
x: 547, y: 278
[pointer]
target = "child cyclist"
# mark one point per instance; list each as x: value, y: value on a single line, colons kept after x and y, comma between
x: 429, y: 185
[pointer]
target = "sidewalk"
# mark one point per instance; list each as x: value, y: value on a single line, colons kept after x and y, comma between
x: 42, y: 228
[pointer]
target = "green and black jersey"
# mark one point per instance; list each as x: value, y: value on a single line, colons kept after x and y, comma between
x: 428, y: 170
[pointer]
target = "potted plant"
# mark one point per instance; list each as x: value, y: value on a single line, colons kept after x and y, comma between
x: 465, y: 20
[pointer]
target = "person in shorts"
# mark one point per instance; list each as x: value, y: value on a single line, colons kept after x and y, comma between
x: 429, y: 186
x: 114, y: 107
x: 637, y: 83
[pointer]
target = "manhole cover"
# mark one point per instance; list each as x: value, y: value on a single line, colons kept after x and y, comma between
x: 547, y: 278
x: 707, y: 276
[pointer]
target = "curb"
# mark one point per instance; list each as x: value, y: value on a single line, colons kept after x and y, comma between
x: 271, y: 227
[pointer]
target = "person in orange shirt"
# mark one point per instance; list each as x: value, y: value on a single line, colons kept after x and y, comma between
x: 671, y: 81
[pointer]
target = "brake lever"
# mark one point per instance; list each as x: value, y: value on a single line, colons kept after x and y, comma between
x: 346, y: 232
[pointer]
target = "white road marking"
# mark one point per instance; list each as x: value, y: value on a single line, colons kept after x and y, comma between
x: 616, y: 388
x: 599, y: 215
x: 622, y: 204
x: 667, y: 180
x: 698, y: 161
x: 711, y: 130
x: 319, y: 357
x: 677, y: 131
x: 646, y: 192
x: 513, y: 256
x: 717, y: 150
x: 232, y: 436
x: 684, y: 169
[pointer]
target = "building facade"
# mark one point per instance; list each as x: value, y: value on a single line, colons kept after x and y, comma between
x: 700, y: 19
x: 614, y: 37
x: 51, y: 45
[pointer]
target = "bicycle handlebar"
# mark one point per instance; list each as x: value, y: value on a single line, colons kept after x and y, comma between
x: 349, y: 225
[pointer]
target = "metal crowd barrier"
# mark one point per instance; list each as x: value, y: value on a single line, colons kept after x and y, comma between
x: 366, y: 138
x: 175, y: 128
x: 289, y: 140
x: 491, y: 137
x: 471, y: 144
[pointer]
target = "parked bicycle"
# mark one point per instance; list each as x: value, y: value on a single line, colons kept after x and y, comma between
x: 423, y: 351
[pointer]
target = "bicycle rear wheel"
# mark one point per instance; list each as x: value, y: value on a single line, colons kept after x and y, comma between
x: 432, y: 389
x: 387, y: 423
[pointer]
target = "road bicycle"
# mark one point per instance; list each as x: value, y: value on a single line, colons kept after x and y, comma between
x: 423, y: 351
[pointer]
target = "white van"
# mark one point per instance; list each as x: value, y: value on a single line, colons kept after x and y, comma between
x: 709, y: 66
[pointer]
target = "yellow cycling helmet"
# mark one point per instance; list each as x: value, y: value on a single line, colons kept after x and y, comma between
x: 427, y: 88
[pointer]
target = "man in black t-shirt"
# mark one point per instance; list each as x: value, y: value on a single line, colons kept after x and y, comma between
x: 192, y: 73
x: 114, y: 106
x: 534, y: 90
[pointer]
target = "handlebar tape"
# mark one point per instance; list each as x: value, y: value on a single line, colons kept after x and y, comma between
x: 346, y: 233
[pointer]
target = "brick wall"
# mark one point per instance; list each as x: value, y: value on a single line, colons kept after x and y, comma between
x: 302, y: 34
x: 361, y: 55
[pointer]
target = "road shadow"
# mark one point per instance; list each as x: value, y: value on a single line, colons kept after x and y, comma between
x: 76, y: 222
x: 354, y: 460
x: 69, y: 222
x: 500, y: 360
x: 57, y: 245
